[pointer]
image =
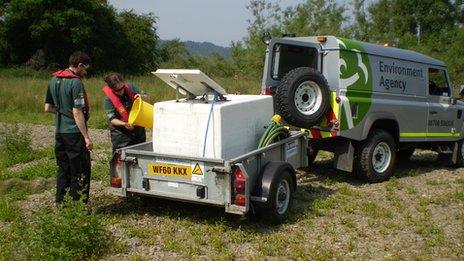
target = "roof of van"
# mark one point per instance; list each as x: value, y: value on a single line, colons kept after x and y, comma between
x: 337, y: 43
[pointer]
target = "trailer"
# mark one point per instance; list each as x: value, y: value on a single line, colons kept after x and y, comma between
x: 260, y: 180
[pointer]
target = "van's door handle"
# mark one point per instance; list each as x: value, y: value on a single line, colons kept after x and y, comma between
x: 433, y: 112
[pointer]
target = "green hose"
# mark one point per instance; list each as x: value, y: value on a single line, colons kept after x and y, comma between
x: 275, y: 131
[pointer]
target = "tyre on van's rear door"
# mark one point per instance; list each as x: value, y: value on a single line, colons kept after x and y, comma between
x: 302, y: 98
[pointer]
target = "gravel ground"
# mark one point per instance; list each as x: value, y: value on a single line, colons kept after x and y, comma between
x: 412, y: 216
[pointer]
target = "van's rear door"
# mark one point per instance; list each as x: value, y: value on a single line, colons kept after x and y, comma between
x: 286, y: 54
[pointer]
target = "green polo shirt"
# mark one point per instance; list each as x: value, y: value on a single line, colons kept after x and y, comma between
x: 68, y: 95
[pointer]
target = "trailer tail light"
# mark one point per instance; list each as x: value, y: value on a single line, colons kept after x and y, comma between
x: 116, y: 171
x: 267, y: 91
x: 240, y: 200
x: 239, y: 187
x: 116, y: 182
x: 239, y: 180
x: 118, y: 161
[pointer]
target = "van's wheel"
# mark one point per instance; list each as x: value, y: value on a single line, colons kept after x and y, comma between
x: 376, y: 156
x: 303, y: 97
x: 280, y: 198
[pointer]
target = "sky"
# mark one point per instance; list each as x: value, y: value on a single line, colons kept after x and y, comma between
x: 216, y: 21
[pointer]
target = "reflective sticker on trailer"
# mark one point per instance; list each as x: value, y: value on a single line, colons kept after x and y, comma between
x: 198, y: 171
x: 291, y: 149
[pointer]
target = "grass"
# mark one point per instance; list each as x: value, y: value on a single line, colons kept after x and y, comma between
x: 418, y: 217
x: 22, y: 94
x: 65, y: 233
x: 17, y: 189
x: 43, y: 169
x: 9, y: 210
x: 15, y: 147
x: 336, y: 226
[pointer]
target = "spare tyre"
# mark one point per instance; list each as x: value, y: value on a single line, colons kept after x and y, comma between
x: 302, y: 98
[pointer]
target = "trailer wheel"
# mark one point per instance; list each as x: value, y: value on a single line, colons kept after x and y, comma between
x: 376, y: 157
x: 303, y: 97
x: 280, y: 198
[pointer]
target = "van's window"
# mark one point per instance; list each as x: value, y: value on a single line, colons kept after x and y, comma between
x: 288, y: 57
x: 438, y: 83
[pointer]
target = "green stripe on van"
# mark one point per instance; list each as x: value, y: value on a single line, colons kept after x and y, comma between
x: 425, y: 134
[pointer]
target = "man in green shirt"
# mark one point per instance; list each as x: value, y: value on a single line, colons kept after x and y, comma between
x: 66, y: 97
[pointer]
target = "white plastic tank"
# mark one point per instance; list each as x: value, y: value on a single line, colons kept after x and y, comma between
x: 235, y: 126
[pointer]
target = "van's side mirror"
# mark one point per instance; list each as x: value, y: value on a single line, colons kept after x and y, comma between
x: 266, y: 38
x: 461, y: 90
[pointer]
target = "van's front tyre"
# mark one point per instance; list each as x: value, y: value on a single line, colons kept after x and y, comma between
x: 302, y: 98
x: 376, y: 157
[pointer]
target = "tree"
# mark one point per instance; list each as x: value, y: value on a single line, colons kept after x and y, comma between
x: 140, y: 54
x: 311, y: 17
x: 52, y: 29
x: 360, y: 27
x: 173, y: 52
x: 314, y: 17
x: 432, y: 27
x: 408, y: 22
x: 3, y: 45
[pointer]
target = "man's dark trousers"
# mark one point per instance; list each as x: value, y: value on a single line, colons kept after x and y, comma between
x: 73, y: 160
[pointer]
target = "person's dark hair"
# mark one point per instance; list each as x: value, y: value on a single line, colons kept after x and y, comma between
x: 79, y: 57
x: 112, y: 79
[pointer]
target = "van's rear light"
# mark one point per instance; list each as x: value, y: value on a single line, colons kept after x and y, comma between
x: 116, y: 182
x: 321, y: 39
x: 240, y: 200
x: 239, y: 180
x: 267, y: 91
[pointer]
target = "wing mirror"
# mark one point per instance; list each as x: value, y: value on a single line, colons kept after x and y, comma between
x: 266, y: 38
x: 461, y: 90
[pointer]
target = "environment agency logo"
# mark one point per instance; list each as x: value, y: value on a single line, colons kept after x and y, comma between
x: 353, y: 68
x: 355, y: 76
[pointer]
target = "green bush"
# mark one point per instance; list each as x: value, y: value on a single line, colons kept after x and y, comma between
x: 64, y: 233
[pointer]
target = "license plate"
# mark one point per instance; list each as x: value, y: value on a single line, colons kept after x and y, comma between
x: 170, y: 170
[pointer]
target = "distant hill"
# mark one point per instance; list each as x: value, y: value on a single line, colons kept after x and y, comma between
x: 204, y: 49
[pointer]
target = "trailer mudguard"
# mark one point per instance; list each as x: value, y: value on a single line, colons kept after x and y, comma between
x: 268, y: 175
